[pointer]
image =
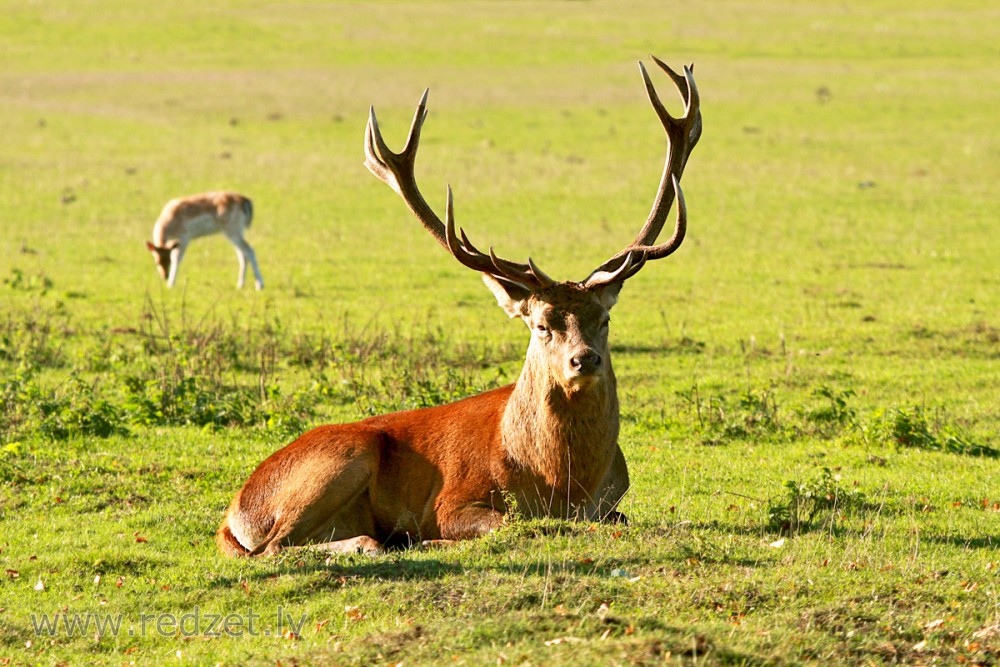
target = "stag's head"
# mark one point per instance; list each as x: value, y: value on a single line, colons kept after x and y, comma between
x: 569, y: 328
x: 568, y: 320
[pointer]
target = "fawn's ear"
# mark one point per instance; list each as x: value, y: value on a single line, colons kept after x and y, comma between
x: 510, y: 295
x: 150, y: 247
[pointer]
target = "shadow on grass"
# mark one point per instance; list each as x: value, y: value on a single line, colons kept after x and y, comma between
x: 588, y: 558
x: 341, y: 568
x: 668, y: 347
x: 636, y: 639
x: 984, y: 542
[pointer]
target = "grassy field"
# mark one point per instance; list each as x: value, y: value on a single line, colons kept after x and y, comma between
x: 810, y: 388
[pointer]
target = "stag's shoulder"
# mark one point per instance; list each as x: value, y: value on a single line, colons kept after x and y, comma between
x: 480, y: 406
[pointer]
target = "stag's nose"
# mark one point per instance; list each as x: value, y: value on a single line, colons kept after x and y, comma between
x: 586, y: 363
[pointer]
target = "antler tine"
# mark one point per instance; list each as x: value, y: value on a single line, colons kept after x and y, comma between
x: 463, y: 250
x: 419, y: 116
x: 631, y: 262
x: 636, y: 256
x: 396, y: 170
x: 527, y: 275
x: 683, y: 134
x: 683, y: 82
x: 540, y: 275
x: 680, y: 229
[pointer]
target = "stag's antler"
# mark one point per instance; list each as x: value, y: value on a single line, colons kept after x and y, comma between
x: 396, y: 170
x: 682, y: 135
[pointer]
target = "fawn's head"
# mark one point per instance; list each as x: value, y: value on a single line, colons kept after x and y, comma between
x: 161, y: 256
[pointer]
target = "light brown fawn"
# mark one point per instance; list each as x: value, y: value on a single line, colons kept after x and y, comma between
x: 187, y: 218
x: 549, y: 441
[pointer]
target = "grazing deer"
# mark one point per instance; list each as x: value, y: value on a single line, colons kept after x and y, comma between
x: 549, y: 441
x: 188, y: 218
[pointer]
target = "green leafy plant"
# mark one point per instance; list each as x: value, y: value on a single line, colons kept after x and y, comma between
x: 754, y: 414
x: 78, y: 410
x: 835, y: 412
x: 821, y: 497
x: 18, y: 280
x: 912, y: 429
x: 35, y: 337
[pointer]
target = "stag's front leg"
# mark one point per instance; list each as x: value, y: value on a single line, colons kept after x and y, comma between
x: 467, y: 522
x: 611, y: 491
x: 362, y: 544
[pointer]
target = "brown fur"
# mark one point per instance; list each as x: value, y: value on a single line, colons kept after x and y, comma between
x: 549, y: 441
x: 227, y: 207
x: 185, y: 219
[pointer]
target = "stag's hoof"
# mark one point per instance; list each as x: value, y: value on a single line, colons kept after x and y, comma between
x: 615, y: 517
x: 362, y: 544
x: 437, y: 544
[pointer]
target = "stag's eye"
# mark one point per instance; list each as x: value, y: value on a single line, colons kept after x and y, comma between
x: 541, y: 330
x: 606, y: 322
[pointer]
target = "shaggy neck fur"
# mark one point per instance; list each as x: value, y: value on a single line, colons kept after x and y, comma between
x: 562, y: 441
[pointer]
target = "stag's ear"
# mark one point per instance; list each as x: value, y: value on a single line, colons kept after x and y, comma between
x: 511, y: 296
x: 608, y: 294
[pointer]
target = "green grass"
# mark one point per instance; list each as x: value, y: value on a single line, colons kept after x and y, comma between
x: 809, y: 386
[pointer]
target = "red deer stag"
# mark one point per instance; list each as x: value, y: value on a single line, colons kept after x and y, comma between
x: 185, y: 219
x: 549, y: 441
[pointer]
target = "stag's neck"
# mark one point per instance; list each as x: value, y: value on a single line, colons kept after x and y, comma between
x: 556, y: 435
